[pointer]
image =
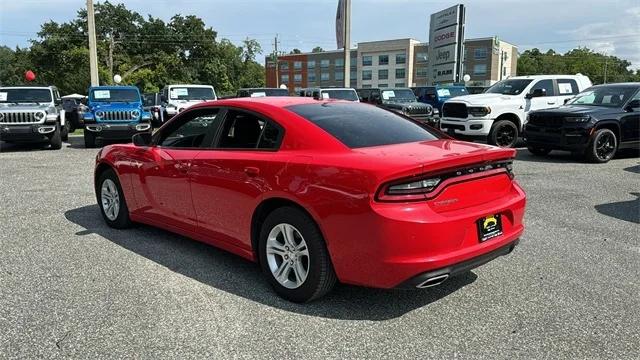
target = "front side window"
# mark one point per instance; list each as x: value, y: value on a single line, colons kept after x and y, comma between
x: 383, y: 60
x: 546, y: 85
x: 610, y: 96
x: 509, y: 87
x: 360, y: 125
x: 25, y: 95
x: 244, y: 130
x: 193, y: 130
x: 114, y: 95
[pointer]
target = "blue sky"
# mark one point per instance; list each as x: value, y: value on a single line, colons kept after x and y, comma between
x: 611, y: 26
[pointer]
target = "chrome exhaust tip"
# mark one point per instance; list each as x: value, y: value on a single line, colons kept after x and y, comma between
x: 436, y: 280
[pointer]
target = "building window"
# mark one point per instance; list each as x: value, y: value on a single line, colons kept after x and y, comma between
x: 284, y: 78
x: 366, y: 86
x: 383, y: 85
x: 480, y: 69
x: 339, y: 75
x: 421, y: 72
x: 366, y: 74
x: 297, y: 77
x: 400, y: 74
x: 383, y: 60
x: 383, y: 74
x: 353, y: 75
x: 339, y: 62
x: 311, y: 64
x: 401, y: 58
x: 324, y: 76
x: 284, y: 65
x: 311, y: 77
x: 367, y: 60
x: 422, y: 57
x: 297, y: 65
x: 325, y: 63
x: 480, y: 53
x: 399, y: 84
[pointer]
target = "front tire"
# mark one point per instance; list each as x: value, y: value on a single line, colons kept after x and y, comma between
x: 56, y: 138
x: 538, y: 151
x: 111, y: 201
x: 89, y: 139
x: 504, y: 133
x: 294, y: 257
x: 602, y: 146
x: 65, y: 132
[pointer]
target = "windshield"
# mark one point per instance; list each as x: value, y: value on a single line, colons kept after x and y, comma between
x: 360, y: 125
x: 115, y: 95
x: 509, y: 87
x: 25, y: 96
x: 452, y: 92
x: 402, y: 95
x: 342, y: 94
x: 609, y: 96
x: 191, y: 93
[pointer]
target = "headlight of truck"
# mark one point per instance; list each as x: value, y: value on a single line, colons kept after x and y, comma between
x: 479, y: 111
x: 99, y: 114
x: 577, y: 119
x: 135, y: 114
x: 39, y: 115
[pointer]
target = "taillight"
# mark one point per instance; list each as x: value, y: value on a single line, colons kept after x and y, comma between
x: 419, y: 188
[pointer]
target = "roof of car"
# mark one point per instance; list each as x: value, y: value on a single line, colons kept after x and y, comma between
x: 534, y: 77
x: 115, y: 87
x: 630, y: 84
x: 191, y: 85
x: 276, y: 101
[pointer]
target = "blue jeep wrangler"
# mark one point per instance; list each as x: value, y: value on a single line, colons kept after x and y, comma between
x: 437, y: 95
x: 114, y: 113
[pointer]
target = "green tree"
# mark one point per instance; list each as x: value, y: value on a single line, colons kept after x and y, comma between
x: 317, y: 49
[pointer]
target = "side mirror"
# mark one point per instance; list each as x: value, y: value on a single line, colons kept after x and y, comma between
x: 142, y: 139
x: 633, y: 105
x: 567, y: 100
x: 537, y: 93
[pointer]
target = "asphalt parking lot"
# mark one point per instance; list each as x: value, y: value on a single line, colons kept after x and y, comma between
x: 72, y: 287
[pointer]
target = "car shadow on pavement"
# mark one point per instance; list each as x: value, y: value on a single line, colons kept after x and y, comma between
x: 567, y: 157
x: 21, y: 147
x: 633, y: 169
x: 622, y: 210
x: 235, y: 275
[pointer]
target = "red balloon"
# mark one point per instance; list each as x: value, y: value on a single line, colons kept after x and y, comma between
x: 29, y: 75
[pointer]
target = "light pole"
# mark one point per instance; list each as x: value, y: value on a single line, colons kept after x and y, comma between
x: 93, y: 53
x: 347, y: 43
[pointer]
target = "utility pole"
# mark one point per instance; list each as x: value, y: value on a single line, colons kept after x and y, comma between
x: 275, y: 59
x: 606, y: 59
x: 93, y: 53
x: 347, y: 43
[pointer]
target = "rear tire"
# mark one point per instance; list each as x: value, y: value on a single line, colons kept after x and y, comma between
x: 89, y: 139
x: 602, y: 147
x: 504, y: 133
x: 319, y: 277
x: 56, y: 138
x: 111, y: 201
x: 538, y: 151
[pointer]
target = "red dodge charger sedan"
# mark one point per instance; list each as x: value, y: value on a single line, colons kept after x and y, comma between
x: 318, y: 192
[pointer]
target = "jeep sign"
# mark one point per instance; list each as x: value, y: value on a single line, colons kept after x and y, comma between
x: 446, y: 35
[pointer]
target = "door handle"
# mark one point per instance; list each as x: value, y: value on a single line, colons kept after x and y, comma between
x: 251, y: 171
x: 551, y: 103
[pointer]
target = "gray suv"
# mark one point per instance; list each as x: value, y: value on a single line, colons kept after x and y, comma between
x: 32, y: 114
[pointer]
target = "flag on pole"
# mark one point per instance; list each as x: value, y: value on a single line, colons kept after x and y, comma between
x: 340, y: 24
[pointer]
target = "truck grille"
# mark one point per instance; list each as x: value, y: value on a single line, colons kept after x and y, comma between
x: 21, y: 117
x: 418, y: 111
x: 120, y: 115
x: 546, y: 120
x: 454, y: 110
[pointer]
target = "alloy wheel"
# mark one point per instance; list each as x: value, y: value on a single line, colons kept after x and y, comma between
x: 605, y: 146
x: 287, y: 256
x: 506, y: 136
x: 110, y: 199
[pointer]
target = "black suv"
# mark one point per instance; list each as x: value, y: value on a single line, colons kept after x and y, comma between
x: 595, y: 123
x: 401, y: 100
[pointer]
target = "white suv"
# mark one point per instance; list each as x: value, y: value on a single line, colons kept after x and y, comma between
x: 500, y: 113
x: 176, y: 98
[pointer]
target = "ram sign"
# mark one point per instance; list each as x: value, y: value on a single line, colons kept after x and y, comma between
x: 446, y: 35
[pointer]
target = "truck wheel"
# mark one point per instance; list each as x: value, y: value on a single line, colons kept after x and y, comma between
x: 89, y: 139
x: 56, y: 138
x: 65, y: 132
x: 602, y: 146
x: 538, y: 151
x: 504, y: 133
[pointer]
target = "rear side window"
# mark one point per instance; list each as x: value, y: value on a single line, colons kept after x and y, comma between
x: 360, y: 125
x: 243, y: 130
x: 567, y: 87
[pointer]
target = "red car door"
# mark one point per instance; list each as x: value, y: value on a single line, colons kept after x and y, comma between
x: 163, y: 194
x: 227, y: 183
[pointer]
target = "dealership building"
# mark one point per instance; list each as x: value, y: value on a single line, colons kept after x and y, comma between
x: 390, y: 63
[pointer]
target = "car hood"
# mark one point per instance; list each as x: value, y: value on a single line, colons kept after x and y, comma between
x: 577, y: 110
x: 482, y: 99
x: 24, y: 107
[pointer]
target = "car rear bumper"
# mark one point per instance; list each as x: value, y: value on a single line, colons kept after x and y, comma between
x: 26, y: 133
x: 468, y: 127
x: 569, y: 139
x: 399, y: 241
x: 117, y: 131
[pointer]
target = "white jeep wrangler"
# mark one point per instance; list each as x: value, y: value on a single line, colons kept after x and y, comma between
x: 176, y: 98
x: 499, y: 114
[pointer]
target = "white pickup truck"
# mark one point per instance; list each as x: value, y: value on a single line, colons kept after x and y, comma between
x: 176, y: 98
x: 499, y: 114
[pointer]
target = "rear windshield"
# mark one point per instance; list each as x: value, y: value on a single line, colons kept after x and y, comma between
x: 350, y: 95
x: 361, y: 125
